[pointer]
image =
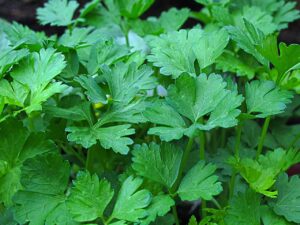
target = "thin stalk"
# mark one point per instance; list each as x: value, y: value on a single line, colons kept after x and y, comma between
x: 223, y: 138
x: 237, y: 155
x: 71, y: 151
x: 183, y: 163
x: 88, y: 160
x: 202, y: 145
x: 263, y: 136
x: 295, y: 140
x: 202, y: 157
x: 238, y: 140
x: 175, y: 214
x: 216, y: 203
x: 203, y: 208
x: 125, y: 29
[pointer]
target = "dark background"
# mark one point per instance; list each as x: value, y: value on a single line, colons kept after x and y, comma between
x: 23, y: 11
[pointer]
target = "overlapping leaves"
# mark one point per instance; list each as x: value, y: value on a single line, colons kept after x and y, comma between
x: 194, y: 98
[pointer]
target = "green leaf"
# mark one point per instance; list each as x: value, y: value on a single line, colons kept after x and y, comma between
x: 9, y: 56
x: 160, y: 206
x: 79, y: 38
x: 249, y: 39
x: 170, y: 20
x: 260, y: 179
x: 286, y: 13
x: 131, y: 203
x: 261, y: 174
x: 128, y: 86
x: 93, y: 91
x: 134, y: 8
x: 16, y: 146
x: 264, y: 98
x: 89, y: 7
x: 193, y: 221
x: 212, y: 2
x: 45, y: 179
x: 270, y: 218
x: 288, y: 201
x: 166, y: 220
x: 239, y: 65
x: 285, y: 58
x: 244, y: 209
x: 126, y: 81
x: 7, y: 217
x: 78, y: 112
x: 194, y: 98
x: 258, y: 17
x: 13, y: 93
x: 57, y: 12
x: 177, y: 52
x: 200, y: 182
x: 174, y: 124
x: 36, y: 72
x: 89, y: 197
x: 173, y: 19
x: 105, y: 53
x: 19, y: 34
x: 157, y: 163
x: 114, y: 137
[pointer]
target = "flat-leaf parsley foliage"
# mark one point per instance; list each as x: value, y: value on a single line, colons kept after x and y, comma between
x: 122, y: 120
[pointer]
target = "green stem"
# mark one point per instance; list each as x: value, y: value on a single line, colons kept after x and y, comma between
x: 89, y: 159
x: 216, y: 203
x: 202, y: 145
x: 295, y: 140
x: 71, y: 151
x: 125, y: 29
x: 223, y: 138
x: 175, y: 214
x: 203, y: 207
x: 202, y: 157
x: 183, y: 163
x: 263, y: 136
x: 238, y: 140
x: 237, y: 156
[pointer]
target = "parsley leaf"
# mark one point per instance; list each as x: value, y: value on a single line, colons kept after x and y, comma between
x: 157, y: 163
x: 16, y: 146
x: 133, y: 9
x: 239, y: 212
x: 109, y: 137
x: 261, y: 174
x: 89, y: 197
x: 287, y: 203
x: 168, y: 21
x: 270, y: 218
x: 51, y: 12
x: 36, y: 73
x: 176, y: 52
x: 264, y: 98
x: 45, y: 179
x: 194, y: 98
x: 160, y: 206
x: 93, y: 91
x: 285, y: 58
x: 248, y: 38
x: 202, y: 184
x: 9, y: 54
x: 131, y: 204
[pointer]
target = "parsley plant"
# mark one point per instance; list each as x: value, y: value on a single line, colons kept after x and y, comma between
x: 122, y: 120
